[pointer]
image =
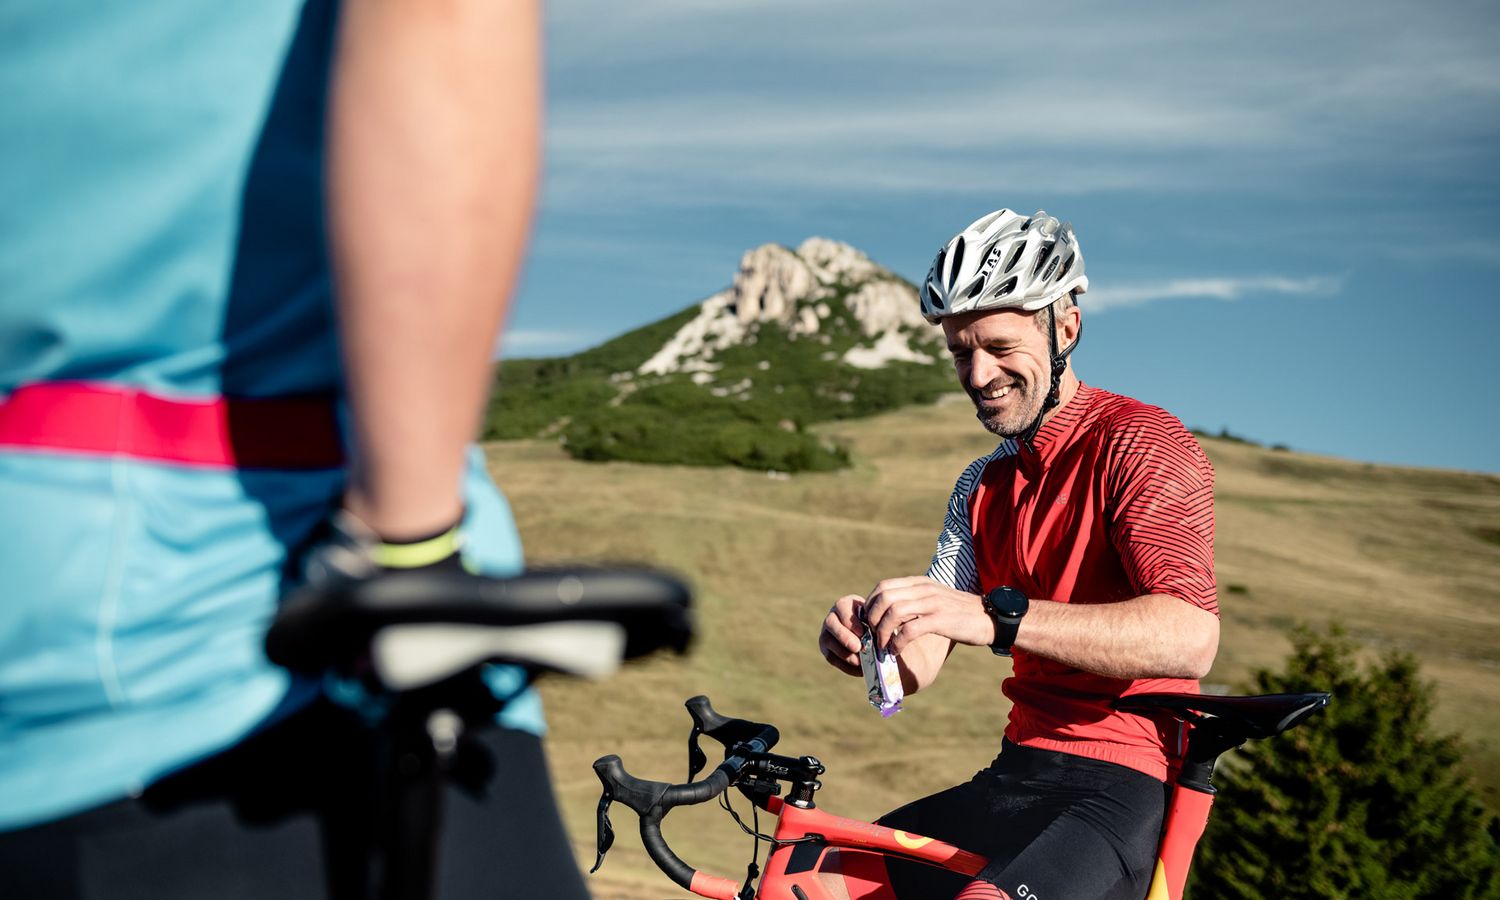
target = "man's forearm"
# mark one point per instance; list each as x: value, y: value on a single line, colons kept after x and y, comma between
x: 434, y: 131
x: 921, y: 662
x: 1154, y: 636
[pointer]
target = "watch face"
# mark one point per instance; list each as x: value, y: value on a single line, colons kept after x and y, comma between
x: 1009, y: 602
x: 1007, y: 605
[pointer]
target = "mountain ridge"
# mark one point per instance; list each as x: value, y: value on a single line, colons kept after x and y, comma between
x: 793, y: 288
x: 816, y: 333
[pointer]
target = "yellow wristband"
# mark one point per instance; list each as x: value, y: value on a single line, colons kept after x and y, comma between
x: 422, y: 553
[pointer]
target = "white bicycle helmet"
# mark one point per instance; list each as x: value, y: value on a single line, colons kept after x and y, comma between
x: 1008, y: 261
x: 1004, y: 261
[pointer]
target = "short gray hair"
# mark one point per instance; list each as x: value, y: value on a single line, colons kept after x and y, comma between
x: 1059, y: 307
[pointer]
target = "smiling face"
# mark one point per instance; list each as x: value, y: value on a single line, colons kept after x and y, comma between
x: 1003, y: 361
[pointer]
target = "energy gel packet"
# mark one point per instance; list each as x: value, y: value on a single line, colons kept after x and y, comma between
x: 882, y: 677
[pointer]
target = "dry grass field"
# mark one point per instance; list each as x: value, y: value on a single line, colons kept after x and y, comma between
x: 1405, y: 558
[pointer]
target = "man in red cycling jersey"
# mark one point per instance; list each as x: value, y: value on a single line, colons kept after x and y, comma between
x: 1082, y: 548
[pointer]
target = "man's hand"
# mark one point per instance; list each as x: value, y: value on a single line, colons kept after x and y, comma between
x: 902, y: 610
x: 842, y: 630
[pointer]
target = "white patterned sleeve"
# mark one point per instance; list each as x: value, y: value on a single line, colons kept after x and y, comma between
x: 953, y: 562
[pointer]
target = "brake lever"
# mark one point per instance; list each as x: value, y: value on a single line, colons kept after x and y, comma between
x: 696, y: 757
x: 604, y: 832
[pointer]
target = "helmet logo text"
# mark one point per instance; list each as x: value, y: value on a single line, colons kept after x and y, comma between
x: 989, y: 262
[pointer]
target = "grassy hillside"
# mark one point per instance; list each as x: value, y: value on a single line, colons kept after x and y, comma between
x: 1405, y: 558
x: 754, y: 410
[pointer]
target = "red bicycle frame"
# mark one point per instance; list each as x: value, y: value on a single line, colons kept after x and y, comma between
x: 861, y: 848
x: 820, y: 856
x: 851, y: 853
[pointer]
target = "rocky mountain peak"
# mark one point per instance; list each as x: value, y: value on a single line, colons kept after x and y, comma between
x: 796, y: 289
x: 834, y: 261
x: 770, y: 280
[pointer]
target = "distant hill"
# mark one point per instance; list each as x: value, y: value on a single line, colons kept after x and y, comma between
x: 801, y: 336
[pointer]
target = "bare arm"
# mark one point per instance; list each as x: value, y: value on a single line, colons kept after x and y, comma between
x: 1152, y: 636
x: 433, y: 152
x: 1162, y: 497
x: 922, y: 660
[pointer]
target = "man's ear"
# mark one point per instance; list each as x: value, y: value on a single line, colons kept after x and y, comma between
x: 1068, y: 325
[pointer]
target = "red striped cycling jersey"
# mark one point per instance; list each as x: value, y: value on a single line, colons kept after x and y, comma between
x: 1115, y: 502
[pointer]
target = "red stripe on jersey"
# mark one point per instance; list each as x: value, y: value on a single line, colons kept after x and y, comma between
x: 221, y: 432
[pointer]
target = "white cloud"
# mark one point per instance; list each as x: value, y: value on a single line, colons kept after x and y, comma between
x: 1121, y: 296
x: 703, y: 102
x: 708, y: 146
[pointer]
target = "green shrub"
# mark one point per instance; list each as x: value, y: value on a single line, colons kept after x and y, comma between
x: 522, y: 413
x: 654, y: 434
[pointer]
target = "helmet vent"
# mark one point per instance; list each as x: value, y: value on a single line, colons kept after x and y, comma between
x: 935, y: 298
x: 1026, y: 224
x: 1015, y: 257
x: 1041, y: 260
x: 1007, y: 287
x: 1052, y: 268
x: 974, y: 291
x: 1062, y: 273
x: 937, y: 267
x: 958, y: 256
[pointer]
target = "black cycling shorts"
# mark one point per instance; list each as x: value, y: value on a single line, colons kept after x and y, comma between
x: 264, y: 819
x: 1054, y: 826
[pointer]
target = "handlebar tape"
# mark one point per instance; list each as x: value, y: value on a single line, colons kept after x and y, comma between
x: 652, y: 800
x: 731, y: 732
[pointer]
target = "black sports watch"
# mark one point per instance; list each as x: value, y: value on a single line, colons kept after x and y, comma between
x: 1006, y: 606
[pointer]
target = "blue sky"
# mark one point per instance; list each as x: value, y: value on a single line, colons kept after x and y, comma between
x: 1290, y: 211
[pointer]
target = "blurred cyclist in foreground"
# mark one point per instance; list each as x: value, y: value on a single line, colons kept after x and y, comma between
x: 255, y: 260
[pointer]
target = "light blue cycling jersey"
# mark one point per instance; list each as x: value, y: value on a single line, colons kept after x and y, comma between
x: 161, y: 226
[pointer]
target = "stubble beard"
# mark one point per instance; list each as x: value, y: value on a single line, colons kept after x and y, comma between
x: 1013, y: 423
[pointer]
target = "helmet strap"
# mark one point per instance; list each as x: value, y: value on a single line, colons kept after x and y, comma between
x: 1059, y: 364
